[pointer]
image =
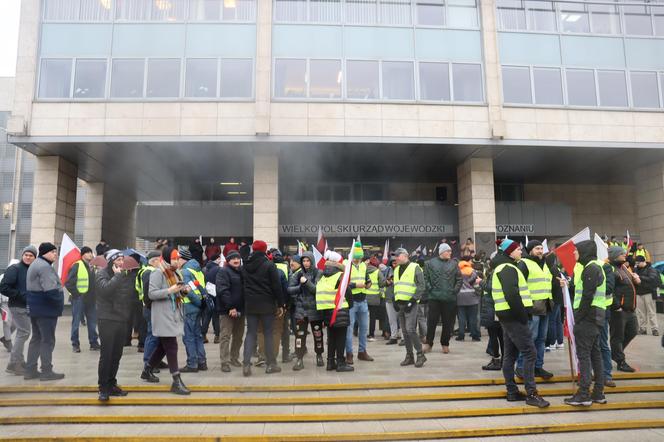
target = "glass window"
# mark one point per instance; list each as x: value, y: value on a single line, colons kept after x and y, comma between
x: 127, y: 78
x: 163, y: 78
x: 398, y: 82
x: 95, y: 10
x: 548, y: 86
x: 55, y: 78
x: 516, y: 85
x: 581, y: 87
x: 360, y: 12
x: 434, y: 81
x: 612, y: 88
x: 467, y: 81
x: 290, y: 10
x: 541, y: 16
x: 201, y: 77
x: 61, y: 10
x: 290, y: 78
x: 644, y: 89
x: 461, y: 14
x: 325, y: 79
x: 325, y: 11
x: 90, y: 79
x: 605, y: 19
x: 132, y: 10
x: 395, y: 12
x: 168, y: 10
x: 237, y: 78
x: 659, y: 20
x: 204, y: 10
x: 362, y: 79
x: 574, y: 18
x: 637, y: 20
x: 511, y: 14
x: 430, y: 12
x: 239, y: 10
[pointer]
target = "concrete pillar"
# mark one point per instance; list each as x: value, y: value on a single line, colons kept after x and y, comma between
x: 266, y: 198
x: 650, y: 208
x: 477, y: 206
x: 263, y: 66
x: 492, y: 69
x: 54, y: 200
x: 93, y: 213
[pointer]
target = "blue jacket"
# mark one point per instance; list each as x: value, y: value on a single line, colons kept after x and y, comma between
x: 45, y: 296
x: 13, y: 284
x: 195, y: 303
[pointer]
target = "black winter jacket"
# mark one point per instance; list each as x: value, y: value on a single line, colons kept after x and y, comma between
x: 592, y: 277
x: 262, y: 285
x: 116, y: 294
x: 487, y: 305
x: 13, y: 285
x: 230, y: 290
x: 650, y: 281
x: 509, y: 279
x: 624, y: 292
x: 303, y: 296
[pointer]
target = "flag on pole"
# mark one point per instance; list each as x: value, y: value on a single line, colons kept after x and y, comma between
x: 583, y: 235
x: 321, y: 242
x: 629, y: 242
x: 320, y: 259
x: 602, y: 249
x: 569, y: 329
x: 527, y: 241
x: 424, y: 251
x: 69, y: 254
x: 386, y: 252
x: 343, y: 285
x: 300, y: 248
x: 545, y: 245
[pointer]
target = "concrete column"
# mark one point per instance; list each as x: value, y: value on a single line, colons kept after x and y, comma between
x: 263, y: 65
x: 54, y: 200
x: 266, y: 198
x: 93, y: 213
x: 492, y: 69
x: 477, y: 206
x: 650, y: 208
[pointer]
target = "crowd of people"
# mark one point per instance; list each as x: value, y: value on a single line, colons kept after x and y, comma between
x: 256, y: 299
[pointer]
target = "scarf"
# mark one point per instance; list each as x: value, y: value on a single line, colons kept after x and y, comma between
x: 172, y: 277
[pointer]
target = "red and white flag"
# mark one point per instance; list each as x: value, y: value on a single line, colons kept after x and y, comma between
x: 69, y: 254
x: 320, y: 259
x: 343, y: 285
x: 386, y: 252
x: 321, y: 242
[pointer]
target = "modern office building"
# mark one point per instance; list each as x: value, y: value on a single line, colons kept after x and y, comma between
x: 407, y: 119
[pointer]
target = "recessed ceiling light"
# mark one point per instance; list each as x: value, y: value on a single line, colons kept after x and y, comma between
x: 230, y: 184
x: 236, y: 193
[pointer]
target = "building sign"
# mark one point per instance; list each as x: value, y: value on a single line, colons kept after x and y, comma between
x: 515, y: 228
x: 304, y: 230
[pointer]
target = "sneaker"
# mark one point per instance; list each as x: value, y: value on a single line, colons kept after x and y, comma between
x: 236, y: 363
x: 542, y: 373
x: 203, y: 366
x: 579, y: 400
x: 549, y: 348
x: 30, y: 375
x: 51, y: 376
x: 371, y: 339
x: 273, y: 369
x: 76, y: 348
x: 117, y: 391
x: 342, y: 367
x: 598, y: 397
x: 259, y: 363
x: 535, y: 400
x: 515, y: 396
x: 624, y: 366
x: 188, y: 369
x: 560, y: 346
x: 226, y: 368
x: 421, y: 359
x: 518, y: 372
x: 104, y: 396
x: 494, y: 365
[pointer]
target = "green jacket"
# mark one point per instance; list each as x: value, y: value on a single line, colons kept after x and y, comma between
x: 443, y: 279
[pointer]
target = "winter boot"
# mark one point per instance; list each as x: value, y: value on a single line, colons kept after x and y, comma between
x: 178, y: 386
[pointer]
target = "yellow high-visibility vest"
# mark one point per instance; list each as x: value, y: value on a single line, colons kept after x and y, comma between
x: 358, y: 274
x: 497, y: 289
x: 326, y: 292
x: 82, y: 278
x: 404, y: 285
x: 539, y: 281
x: 201, y: 283
x: 283, y: 267
x: 599, y: 300
x: 374, y: 290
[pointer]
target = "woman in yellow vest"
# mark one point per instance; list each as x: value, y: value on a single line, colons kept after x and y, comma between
x: 327, y: 284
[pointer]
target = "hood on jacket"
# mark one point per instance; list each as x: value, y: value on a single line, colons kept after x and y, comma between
x: 332, y: 268
x: 193, y: 265
x: 310, y: 256
x: 587, y: 251
x: 501, y: 258
x: 254, y: 261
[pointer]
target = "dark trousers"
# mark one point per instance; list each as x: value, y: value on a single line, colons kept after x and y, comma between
x: 444, y: 311
x: 267, y: 321
x: 336, y: 343
x: 166, y: 346
x: 518, y: 340
x: 586, y: 337
x: 468, y: 314
x: 624, y: 327
x: 42, y: 344
x: 496, y: 346
x: 555, y: 333
x: 112, y: 335
x: 136, y: 323
x: 301, y: 333
x: 210, y: 316
x: 375, y: 314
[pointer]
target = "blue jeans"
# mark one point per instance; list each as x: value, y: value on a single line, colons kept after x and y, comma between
x: 555, y: 333
x: 151, y: 341
x: 604, y: 347
x: 538, y: 327
x: 359, y: 312
x: 468, y: 314
x: 193, y: 340
x: 78, y: 309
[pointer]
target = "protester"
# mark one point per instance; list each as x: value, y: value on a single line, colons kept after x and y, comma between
x: 212, y: 250
x: 646, y: 292
x: 512, y: 302
x: 495, y: 346
x: 230, y: 304
x: 554, y: 336
x: 194, y: 303
x: 230, y: 246
x: 373, y: 293
x: 13, y: 286
x: 359, y: 311
x: 115, y: 289
x: 102, y: 248
x: 443, y: 282
x: 604, y: 348
x: 468, y: 300
x: 624, y: 325
x: 210, y: 271
x: 245, y: 250
x: 281, y: 324
x: 83, y: 302
x: 392, y: 316
x: 468, y: 249
x: 143, y: 288
x: 166, y: 293
x: 196, y: 250
x: 45, y: 302
x: 641, y: 251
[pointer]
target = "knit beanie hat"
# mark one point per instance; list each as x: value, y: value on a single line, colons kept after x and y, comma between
x: 233, y: 254
x: 185, y: 254
x: 259, y: 246
x: 30, y: 249
x: 85, y: 249
x: 169, y: 254
x: 112, y: 255
x: 297, y: 259
x: 615, y: 252
x: 444, y: 247
x: 45, y: 248
x: 400, y: 251
x: 532, y: 244
x: 358, y: 253
x: 640, y: 258
x: 507, y: 246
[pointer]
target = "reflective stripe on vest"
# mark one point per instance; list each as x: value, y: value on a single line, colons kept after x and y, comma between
x: 82, y: 279
x: 138, y: 284
x: 497, y: 289
x: 539, y: 281
x: 283, y: 267
x: 326, y: 292
x: 374, y: 290
x: 201, y: 283
x: 404, y: 285
x: 642, y: 252
x: 599, y: 300
x: 358, y: 274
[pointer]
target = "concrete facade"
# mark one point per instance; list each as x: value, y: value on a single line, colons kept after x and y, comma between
x: 650, y: 208
x: 477, y: 206
x: 266, y: 198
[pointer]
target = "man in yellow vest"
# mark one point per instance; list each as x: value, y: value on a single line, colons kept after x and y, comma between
x: 409, y: 287
x: 359, y: 311
x: 642, y: 251
x: 512, y: 303
x: 80, y: 284
x: 193, y: 314
x: 590, y: 302
x: 538, y: 277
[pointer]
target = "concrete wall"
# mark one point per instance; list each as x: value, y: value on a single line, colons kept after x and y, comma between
x: 650, y: 208
x: 6, y: 93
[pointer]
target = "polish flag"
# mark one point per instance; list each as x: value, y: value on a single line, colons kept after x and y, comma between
x: 602, y: 249
x: 386, y: 253
x: 320, y: 260
x: 545, y: 246
x: 341, y: 292
x: 69, y: 254
x: 321, y: 242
